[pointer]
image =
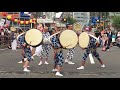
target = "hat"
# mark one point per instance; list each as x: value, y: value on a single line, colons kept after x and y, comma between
x: 87, y: 28
x: 12, y: 29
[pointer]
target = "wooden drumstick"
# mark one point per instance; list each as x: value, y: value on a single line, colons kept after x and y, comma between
x: 52, y: 36
x: 94, y: 37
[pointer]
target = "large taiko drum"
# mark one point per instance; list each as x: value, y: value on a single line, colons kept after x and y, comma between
x: 84, y: 40
x: 33, y: 37
x: 68, y: 39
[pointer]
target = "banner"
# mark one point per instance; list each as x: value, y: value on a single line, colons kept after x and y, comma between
x: 2, y: 21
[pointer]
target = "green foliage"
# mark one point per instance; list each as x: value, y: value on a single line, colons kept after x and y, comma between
x: 71, y: 20
x: 116, y: 22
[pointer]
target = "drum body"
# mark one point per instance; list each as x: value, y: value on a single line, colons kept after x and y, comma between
x: 33, y: 37
x: 68, y: 39
x: 84, y: 40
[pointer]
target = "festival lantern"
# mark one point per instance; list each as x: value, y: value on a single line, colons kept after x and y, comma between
x: 34, y: 19
x: 4, y: 13
x: 12, y: 18
x: 9, y: 17
x: 21, y: 22
x: 26, y: 22
x: 30, y: 20
x: 16, y: 20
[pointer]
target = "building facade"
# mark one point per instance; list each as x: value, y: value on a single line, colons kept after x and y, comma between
x: 17, y: 15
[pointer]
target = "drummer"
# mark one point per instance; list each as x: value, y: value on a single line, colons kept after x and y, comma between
x: 92, y: 48
x: 71, y: 52
x: 45, y: 47
x: 20, y: 31
x: 27, y: 52
x: 58, y: 54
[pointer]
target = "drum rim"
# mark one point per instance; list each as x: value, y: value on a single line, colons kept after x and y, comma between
x: 88, y: 39
x: 72, y: 31
x: 37, y: 44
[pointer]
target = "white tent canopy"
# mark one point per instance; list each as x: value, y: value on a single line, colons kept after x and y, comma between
x: 58, y: 15
x: 45, y: 21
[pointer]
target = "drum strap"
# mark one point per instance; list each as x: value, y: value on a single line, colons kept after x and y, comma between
x: 19, y: 35
x: 94, y: 37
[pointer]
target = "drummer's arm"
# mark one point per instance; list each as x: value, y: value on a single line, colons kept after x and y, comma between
x: 24, y: 44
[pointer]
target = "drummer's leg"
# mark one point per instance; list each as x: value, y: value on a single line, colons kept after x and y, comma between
x: 41, y: 57
x: 23, y: 56
x: 68, y: 56
x: 28, y: 58
x: 46, y: 54
x: 33, y: 51
x: 59, y: 59
x: 95, y: 53
x: 71, y: 56
x: 84, y: 59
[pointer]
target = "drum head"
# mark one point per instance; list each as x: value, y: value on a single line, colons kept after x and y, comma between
x: 83, y: 40
x: 33, y: 37
x: 68, y: 39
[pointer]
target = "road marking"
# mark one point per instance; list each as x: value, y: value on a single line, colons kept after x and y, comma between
x: 4, y: 49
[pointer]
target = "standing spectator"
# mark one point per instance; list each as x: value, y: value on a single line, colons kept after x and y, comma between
x: 118, y: 34
x: 13, y: 40
x: 9, y: 38
x: 109, y: 35
x: 113, y: 39
x: 2, y: 36
x: 118, y: 42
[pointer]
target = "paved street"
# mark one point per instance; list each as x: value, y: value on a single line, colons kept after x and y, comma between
x: 9, y: 67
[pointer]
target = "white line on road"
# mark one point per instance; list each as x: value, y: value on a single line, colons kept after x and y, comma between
x: 4, y: 49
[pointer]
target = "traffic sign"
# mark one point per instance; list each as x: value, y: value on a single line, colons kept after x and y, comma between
x: 24, y: 15
x: 94, y: 19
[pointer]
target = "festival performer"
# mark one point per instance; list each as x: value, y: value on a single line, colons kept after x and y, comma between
x: 71, y: 52
x: 104, y: 42
x: 19, y: 38
x: 39, y: 49
x: 58, y: 54
x: 13, y: 40
x: 27, y: 52
x: 92, y: 48
x: 45, y: 47
x: 109, y: 35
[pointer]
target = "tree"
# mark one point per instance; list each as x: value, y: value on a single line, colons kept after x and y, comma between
x: 71, y: 20
x: 116, y: 22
